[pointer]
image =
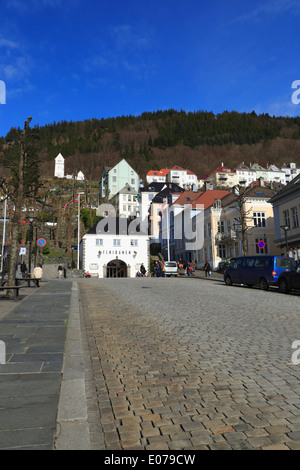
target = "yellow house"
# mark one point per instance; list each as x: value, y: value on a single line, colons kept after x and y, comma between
x: 240, y: 223
x: 223, y: 177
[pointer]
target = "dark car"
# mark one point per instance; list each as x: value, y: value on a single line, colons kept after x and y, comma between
x: 288, y: 281
x: 258, y: 270
x: 223, y: 265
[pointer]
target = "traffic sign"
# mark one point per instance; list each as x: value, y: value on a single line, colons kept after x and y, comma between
x: 261, y: 244
x: 41, y: 242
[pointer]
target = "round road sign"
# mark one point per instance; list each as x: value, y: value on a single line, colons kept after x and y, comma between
x: 41, y: 242
x: 261, y: 244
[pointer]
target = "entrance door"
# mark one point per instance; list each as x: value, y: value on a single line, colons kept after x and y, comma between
x: 116, y: 268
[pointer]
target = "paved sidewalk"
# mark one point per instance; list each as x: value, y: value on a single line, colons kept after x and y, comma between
x: 34, y: 332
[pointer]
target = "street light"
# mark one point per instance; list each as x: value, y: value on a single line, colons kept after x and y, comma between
x: 30, y: 220
x: 78, y: 230
x: 286, y: 228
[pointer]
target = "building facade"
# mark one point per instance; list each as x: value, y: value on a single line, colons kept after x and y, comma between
x: 114, y: 248
x: 286, y: 207
x: 114, y: 179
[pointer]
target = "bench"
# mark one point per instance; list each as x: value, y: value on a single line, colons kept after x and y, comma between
x: 28, y: 280
x: 14, y: 288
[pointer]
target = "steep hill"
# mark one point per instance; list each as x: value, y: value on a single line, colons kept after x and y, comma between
x: 198, y: 141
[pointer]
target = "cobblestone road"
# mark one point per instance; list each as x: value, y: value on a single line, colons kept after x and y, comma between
x: 191, y: 364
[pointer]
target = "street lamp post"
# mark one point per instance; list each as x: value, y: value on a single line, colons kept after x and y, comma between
x: 78, y: 230
x: 286, y: 228
x: 30, y: 220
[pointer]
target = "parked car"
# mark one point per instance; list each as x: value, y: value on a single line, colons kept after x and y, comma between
x: 261, y: 270
x: 171, y: 268
x: 289, y: 281
x: 223, y: 265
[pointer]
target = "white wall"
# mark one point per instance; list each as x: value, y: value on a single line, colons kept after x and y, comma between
x: 125, y: 252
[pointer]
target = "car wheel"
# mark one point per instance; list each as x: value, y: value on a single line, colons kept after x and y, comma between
x: 228, y: 281
x: 282, y: 286
x: 262, y: 284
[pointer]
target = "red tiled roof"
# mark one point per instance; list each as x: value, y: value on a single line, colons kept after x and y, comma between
x: 207, y: 198
x: 162, y: 172
x: 178, y: 168
x: 187, y: 197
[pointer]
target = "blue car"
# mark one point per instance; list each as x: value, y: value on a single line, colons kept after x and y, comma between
x: 262, y: 271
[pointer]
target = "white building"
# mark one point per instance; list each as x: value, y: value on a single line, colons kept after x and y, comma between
x: 126, y: 202
x: 59, y: 169
x: 157, y: 176
x: 184, y: 178
x: 245, y: 175
x: 290, y: 171
x: 114, y: 247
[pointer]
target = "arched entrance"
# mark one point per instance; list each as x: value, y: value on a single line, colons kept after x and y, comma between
x: 116, y: 268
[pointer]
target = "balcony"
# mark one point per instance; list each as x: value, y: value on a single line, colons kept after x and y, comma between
x: 228, y: 235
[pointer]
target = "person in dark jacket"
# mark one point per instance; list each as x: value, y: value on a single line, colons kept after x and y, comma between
x: 207, y: 269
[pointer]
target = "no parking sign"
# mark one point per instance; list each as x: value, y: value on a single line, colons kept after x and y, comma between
x: 261, y: 244
x: 41, y: 242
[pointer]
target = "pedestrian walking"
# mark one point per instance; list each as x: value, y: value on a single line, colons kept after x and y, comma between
x: 187, y: 271
x: 193, y: 267
x: 60, y: 270
x: 207, y: 269
x: 157, y: 269
x: 143, y: 270
x: 23, y: 269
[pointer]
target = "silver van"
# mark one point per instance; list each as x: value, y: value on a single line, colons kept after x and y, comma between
x: 171, y: 268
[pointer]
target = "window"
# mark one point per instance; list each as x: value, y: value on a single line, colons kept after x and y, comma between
x: 286, y: 217
x: 99, y: 242
x: 117, y: 242
x: 295, y: 217
x: 222, y: 251
x: 238, y: 263
x: 132, y: 181
x: 129, y: 197
x: 249, y: 262
x: 124, y: 197
x: 220, y: 226
x: 259, y: 219
x: 209, y: 229
x: 114, y: 178
x: 262, y: 262
x: 236, y: 248
x: 133, y: 242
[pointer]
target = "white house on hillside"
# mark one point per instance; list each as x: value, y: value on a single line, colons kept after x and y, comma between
x: 184, y: 178
x: 59, y: 169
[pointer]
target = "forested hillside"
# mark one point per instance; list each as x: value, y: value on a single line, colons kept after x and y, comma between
x: 199, y: 141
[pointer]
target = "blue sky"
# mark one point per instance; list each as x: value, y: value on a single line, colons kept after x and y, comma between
x: 80, y: 59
